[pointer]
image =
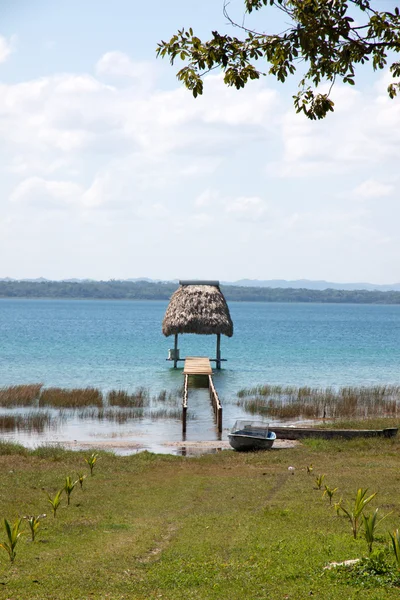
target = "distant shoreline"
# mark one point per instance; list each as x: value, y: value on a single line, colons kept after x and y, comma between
x: 143, y: 290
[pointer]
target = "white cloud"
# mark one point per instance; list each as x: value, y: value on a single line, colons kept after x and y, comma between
x: 123, y: 159
x: 6, y: 48
x: 39, y: 192
x: 119, y: 64
x: 247, y: 207
x: 371, y: 188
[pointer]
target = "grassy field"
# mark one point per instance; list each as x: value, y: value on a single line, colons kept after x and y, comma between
x: 220, y: 526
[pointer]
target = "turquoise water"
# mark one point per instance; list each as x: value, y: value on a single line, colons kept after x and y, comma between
x: 119, y: 344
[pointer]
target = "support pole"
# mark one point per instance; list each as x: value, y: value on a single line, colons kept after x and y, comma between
x: 218, y: 357
x: 176, y: 351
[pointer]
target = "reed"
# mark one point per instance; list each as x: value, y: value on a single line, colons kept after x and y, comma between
x: 116, y: 415
x: 34, y: 422
x: 173, y: 398
x: 169, y: 413
x: 20, y: 395
x: 321, y: 403
x: 74, y: 398
x: 139, y: 398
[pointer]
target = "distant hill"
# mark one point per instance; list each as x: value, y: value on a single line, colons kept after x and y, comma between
x: 147, y: 290
x: 296, y: 284
x: 315, y: 285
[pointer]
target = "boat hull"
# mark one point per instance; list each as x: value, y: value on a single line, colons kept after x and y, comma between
x: 298, y: 433
x: 249, y: 443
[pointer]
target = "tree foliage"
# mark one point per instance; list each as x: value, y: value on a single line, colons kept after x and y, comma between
x: 325, y: 39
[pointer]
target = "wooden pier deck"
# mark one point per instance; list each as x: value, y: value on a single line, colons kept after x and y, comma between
x: 200, y: 365
x: 197, y: 365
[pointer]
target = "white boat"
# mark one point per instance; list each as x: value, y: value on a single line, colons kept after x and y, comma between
x: 251, y: 435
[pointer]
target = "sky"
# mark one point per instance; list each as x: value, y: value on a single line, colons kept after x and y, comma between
x: 110, y: 169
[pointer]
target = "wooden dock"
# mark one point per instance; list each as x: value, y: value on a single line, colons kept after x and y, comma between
x: 200, y: 365
x: 197, y: 365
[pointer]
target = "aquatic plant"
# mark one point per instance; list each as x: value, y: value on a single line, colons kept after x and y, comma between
x: 71, y: 398
x: 139, y: 398
x: 20, y: 395
x: 13, y: 535
x: 354, y: 513
x: 288, y: 402
x: 32, y: 422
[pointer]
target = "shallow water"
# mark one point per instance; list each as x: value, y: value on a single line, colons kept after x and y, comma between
x: 119, y: 345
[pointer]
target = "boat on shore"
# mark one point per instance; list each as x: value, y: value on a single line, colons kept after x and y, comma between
x: 298, y: 433
x: 247, y: 436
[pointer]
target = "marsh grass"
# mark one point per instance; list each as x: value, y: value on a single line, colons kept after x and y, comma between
x: 20, y: 395
x: 71, y: 398
x: 169, y: 413
x: 321, y: 403
x: 32, y: 422
x: 138, y: 398
x: 115, y: 415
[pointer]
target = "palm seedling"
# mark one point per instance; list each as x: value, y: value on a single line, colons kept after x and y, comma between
x: 310, y: 469
x: 69, y: 487
x: 81, y: 479
x: 395, y: 537
x: 329, y: 492
x: 13, y: 535
x: 354, y: 512
x: 371, y: 523
x: 34, y: 523
x: 91, y: 461
x: 319, y: 480
x: 55, y: 502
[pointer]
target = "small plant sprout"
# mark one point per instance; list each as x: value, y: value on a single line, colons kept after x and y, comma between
x: 354, y: 512
x: 319, y: 480
x: 34, y: 523
x: 338, y: 505
x: 395, y: 537
x: 69, y: 487
x: 13, y: 535
x: 310, y: 469
x: 371, y: 523
x: 81, y: 479
x: 55, y: 502
x: 91, y: 461
x: 329, y: 492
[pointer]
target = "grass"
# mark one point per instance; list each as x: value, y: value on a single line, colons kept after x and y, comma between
x: 20, y: 395
x: 114, y: 414
x: 138, y: 398
x: 71, y: 398
x: 220, y: 526
x: 32, y: 422
x: 288, y: 402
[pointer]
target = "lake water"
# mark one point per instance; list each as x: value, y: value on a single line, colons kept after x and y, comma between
x: 119, y: 344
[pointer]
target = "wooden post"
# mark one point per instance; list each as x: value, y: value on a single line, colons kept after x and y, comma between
x: 219, y: 418
x: 184, y: 411
x: 184, y: 404
x: 176, y: 351
x: 218, y: 365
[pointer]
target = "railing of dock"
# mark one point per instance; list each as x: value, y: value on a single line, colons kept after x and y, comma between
x: 215, y: 402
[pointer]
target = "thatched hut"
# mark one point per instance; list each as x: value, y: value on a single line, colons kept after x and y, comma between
x: 197, y: 307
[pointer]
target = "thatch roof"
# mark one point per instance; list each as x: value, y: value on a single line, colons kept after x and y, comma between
x: 197, y: 308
